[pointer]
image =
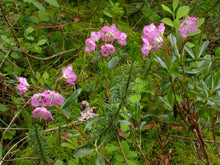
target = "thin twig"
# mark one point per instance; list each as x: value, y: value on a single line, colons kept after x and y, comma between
x: 119, y: 143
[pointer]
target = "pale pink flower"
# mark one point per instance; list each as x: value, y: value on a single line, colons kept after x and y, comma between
x: 42, y: 113
x: 54, y: 98
x: 152, y: 38
x: 90, y: 45
x: 68, y: 75
x: 95, y: 36
x: 109, y: 34
x: 122, y: 39
x: 106, y: 49
x: 188, y: 26
x: 39, y: 100
x: 145, y: 48
x: 23, y: 85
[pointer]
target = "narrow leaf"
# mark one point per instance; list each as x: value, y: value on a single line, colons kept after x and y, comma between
x: 3, y: 108
x: 113, y: 62
x: 200, y: 22
x: 203, y: 47
x: 83, y: 152
x: 189, y: 51
x: 162, y: 63
x: 182, y: 11
x: 41, y: 42
x: 100, y: 159
x: 71, y: 98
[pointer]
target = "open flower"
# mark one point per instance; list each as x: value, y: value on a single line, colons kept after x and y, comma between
x: 23, y: 85
x: 106, y: 49
x: 152, y: 38
x: 68, y: 75
x: 188, y: 26
x: 54, y: 98
x: 39, y: 100
x: 42, y: 113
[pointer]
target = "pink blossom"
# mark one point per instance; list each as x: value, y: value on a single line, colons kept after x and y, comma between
x: 188, y: 26
x: 152, y: 38
x: 39, y: 100
x: 68, y: 75
x: 90, y: 45
x: 106, y: 49
x: 110, y: 33
x: 23, y: 85
x: 122, y: 39
x: 42, y: 113
x: 95, y: 36
x: 145, y: 48
x: 54, y: 98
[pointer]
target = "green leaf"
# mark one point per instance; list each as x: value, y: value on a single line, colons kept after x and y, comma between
x: 83, y: 152
x: 71, y: 98
x: 15, y: 55
x: 168, y: 21
x: 112, y: 148
x: 131, y: 155
x: 100, y: 159
x: 164, y: 101
x: 43, y: 16
x: 203, y: 47
x: 111, y: 64
x: 38, y: 5
x: 34, y: 19
x: 1, y: 149
x: 53, y: 2
x: 27, y: 0
x: 67, y: 145
x: 59, y: 162
x: 166, y: 9
x: 175, y: 4
x: 216, y: 80
x: 3, y: 108
x: 107, y: 14
x: 41, y: 42
x: 189, y: 51
x: 172, y: 39
x: 6, y: 39
x: 200, y: 22
x: 73, y: 162
x: 162, y: 63
x: 190, y: 44
x: 29, y: 30
x: 67, y: 112
x: 125, y: 147
x: 135, y: 98
x: 182, y: 11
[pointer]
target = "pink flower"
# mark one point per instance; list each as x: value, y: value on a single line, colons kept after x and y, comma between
x: 95, y: 36
x: 110, y: 33
x: 188, y: 26
x: 42, y: 113
x: 90, y: 45
x: 106, y: 49
x: 23, y: 85
x: 54, y: 98
x: 145, y: 48
x: 152, y: 38
x: 122, y: 39
x: 68, y: 75
x: 39, y: 100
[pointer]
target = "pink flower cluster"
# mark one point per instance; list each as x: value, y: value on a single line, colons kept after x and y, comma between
x: 108, y: 34
x: 68, y: 75
x: 46, y: 99
x: 188, y: 26
x: 23, y: 85
x: 152, y: 38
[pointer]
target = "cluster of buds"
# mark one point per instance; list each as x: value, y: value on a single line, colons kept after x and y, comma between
x: 152, y: 38
x: 108, y: 35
